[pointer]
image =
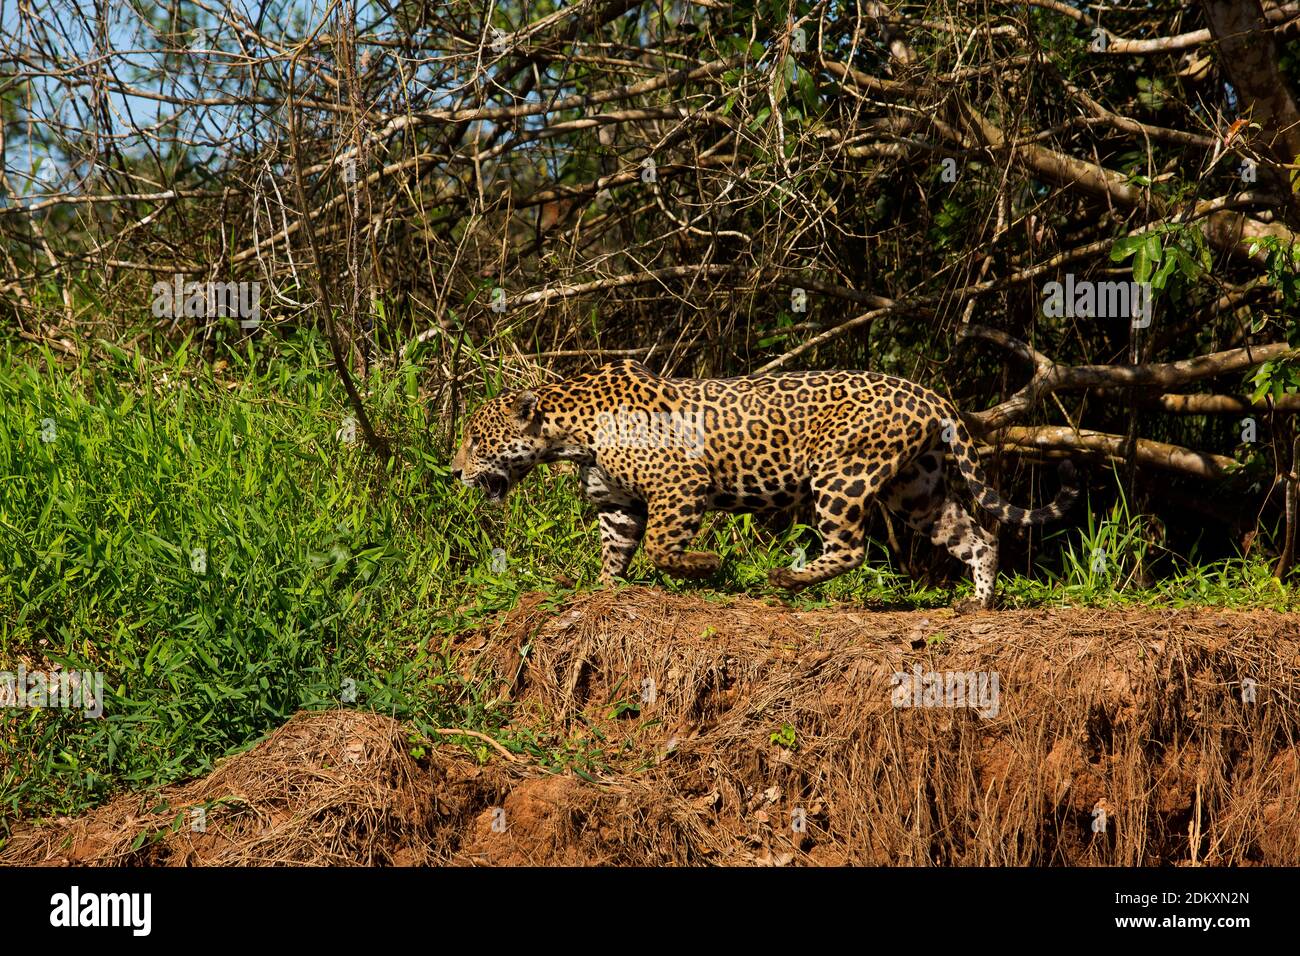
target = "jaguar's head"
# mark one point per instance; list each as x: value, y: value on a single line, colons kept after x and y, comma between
x: 503, y: 441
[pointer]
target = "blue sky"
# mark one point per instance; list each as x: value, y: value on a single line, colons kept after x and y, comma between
x: 138, y: 57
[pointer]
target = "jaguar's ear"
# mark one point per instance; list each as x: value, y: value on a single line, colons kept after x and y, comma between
x: 524, y: 408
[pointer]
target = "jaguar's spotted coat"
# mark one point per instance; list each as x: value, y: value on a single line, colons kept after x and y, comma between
x: 765, y: 444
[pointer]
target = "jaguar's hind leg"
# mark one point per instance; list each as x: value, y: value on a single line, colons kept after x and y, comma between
x: 953, y: 527
x: 840, y: 501
x: 920, y: 495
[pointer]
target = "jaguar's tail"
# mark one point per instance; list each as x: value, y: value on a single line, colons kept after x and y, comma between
x: 968, y: 463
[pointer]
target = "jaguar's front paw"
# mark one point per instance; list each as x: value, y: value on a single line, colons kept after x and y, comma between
x: 784, y: 578
x: 699, y: 564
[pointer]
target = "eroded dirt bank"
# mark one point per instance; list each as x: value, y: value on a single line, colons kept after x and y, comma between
x: 741, y: 732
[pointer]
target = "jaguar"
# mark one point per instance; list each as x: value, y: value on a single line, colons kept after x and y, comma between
x: 655, y: 454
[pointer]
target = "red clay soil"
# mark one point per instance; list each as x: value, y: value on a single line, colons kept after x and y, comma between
x: 738, y: 732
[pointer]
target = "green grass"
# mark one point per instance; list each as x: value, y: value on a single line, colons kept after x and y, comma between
x: 320, y: 571
x: 316, y: 569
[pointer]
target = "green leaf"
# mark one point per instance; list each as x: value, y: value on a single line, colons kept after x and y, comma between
x: 1148, y: 254
x: 1162, y: 274
x: 1124, y: 247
